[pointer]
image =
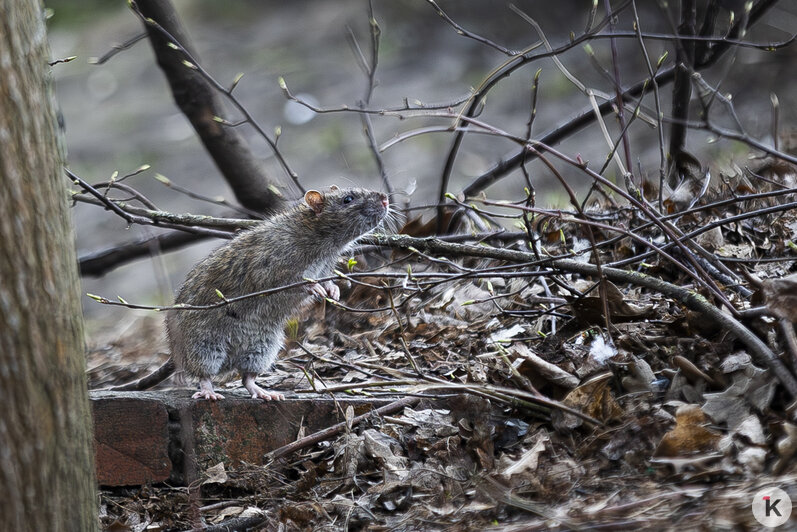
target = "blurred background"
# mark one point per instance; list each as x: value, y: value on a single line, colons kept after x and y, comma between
x: 120, y: 115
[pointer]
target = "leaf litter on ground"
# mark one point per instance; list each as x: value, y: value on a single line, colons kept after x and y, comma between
x: 679, y: 425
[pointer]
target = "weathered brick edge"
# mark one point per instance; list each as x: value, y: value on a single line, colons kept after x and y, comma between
x: 152, y: 437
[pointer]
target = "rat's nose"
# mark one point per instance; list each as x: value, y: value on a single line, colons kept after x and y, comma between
x: 385, y: 202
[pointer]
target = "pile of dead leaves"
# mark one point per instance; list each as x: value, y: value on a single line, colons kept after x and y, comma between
x: 529, y: 415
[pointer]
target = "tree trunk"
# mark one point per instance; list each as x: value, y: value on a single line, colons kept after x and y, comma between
x: 46, y: 449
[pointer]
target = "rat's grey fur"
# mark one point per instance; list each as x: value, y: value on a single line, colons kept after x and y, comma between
x: 303, y: 242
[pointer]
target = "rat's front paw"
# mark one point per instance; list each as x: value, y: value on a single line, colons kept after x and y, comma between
x: 333, y: 292
x: 324, y: 290
x: 317, y: 291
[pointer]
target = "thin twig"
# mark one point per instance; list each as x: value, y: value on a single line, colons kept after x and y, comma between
x: 116, y: 48
x: 484, y: 88
x: 334, y: 430
x: 369, y: 68
x: 553, y: 137
x: 470, y: 35
x: 618, y: 88
x: 657, y: 103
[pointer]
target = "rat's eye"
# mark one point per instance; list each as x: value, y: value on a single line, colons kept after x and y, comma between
x: 348, y: 199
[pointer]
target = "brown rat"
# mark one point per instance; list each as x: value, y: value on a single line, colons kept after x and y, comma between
x: 302, y: 242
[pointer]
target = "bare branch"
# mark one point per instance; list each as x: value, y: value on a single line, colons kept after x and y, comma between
x: 198, y: 98
x: 553, y: 137
x: 470, y: 35
x: 100, y: 262
x: 116, y: 48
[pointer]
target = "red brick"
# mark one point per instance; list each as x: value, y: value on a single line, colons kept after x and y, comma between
x: 131, y: 439
x: 242, y: 430
x: 143, y: 437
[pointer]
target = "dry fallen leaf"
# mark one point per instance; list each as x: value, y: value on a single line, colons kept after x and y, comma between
x: 751, y: 386
x: 216, y: 474
x: 640, y: 377
x: 529, y: 364
x: 589, y: 309
x: 712, y: 239
x: 781, y: 296
x: 226, y: 513
x: 679, y: 464
x: 739, y: 251
x: 690, y: 434
x: 381, y: 447
x: 787, y: 447
x: 594, y: 398
x: 464, y: 300
x: 528, y: 460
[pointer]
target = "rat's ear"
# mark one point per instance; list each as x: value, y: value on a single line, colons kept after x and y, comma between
x: 315, y: 200
x: 333, y: 188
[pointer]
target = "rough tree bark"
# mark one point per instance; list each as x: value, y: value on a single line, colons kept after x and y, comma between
x: 46, y: 449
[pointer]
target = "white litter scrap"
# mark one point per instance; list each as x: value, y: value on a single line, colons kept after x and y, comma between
x: 601, y: 350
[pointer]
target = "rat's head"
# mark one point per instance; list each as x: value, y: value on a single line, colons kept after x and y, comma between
x: 345, y: 214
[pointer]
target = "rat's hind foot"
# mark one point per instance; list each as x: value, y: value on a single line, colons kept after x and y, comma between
x: 205, y: 394
x: 206, y: 391
x: 258, y: 392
